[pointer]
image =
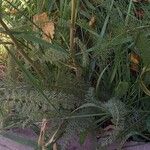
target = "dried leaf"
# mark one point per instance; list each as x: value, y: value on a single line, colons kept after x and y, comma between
x: 48, y: 30
x: 40, y: 19
x: 134, y: 58
x: 55, y: 146
x: 13, y: 11
x: 41, y: 140
x: 47, y: 26
x: 92, y: 21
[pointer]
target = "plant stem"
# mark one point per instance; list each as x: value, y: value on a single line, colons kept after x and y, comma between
x: 72, y: 37
x: 72, y: 27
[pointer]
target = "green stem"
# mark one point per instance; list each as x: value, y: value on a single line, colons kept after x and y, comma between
x: 72, y: 27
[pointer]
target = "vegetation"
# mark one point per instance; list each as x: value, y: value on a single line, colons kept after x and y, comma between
x: 76, y: 67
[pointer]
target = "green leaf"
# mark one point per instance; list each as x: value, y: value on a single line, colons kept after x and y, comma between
x: 87, y: 105
x: 32, y: 38
x: 90, y: 5
x: 143, y: 45
x: 106, y: 20
x: 83, y: 136
x: 121, y: 89
x: 32, y: 80
x: 100, y: 78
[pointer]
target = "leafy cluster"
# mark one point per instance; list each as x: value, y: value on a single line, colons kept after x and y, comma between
x: 87, y: 64
x: 28, y: 105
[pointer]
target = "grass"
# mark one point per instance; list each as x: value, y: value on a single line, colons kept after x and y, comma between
x: 92, y: 47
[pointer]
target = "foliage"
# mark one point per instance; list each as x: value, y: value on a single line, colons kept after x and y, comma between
x: 85, y: 63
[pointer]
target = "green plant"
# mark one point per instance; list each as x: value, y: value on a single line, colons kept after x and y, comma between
x: 77, y: 45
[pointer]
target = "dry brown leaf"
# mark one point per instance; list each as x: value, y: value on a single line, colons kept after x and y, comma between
x: 47, y: 26
x: 92, y: 21
x: 49, y: 30
x: 40, y: 19
x: 13, y: 11
x: 135, y: 61
x: 55, y: 146
x: 134, y: 58
x: 41, y: 140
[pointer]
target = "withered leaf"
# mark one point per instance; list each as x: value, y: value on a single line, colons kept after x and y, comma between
x: 47, y: 26
x: 49, y: 30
